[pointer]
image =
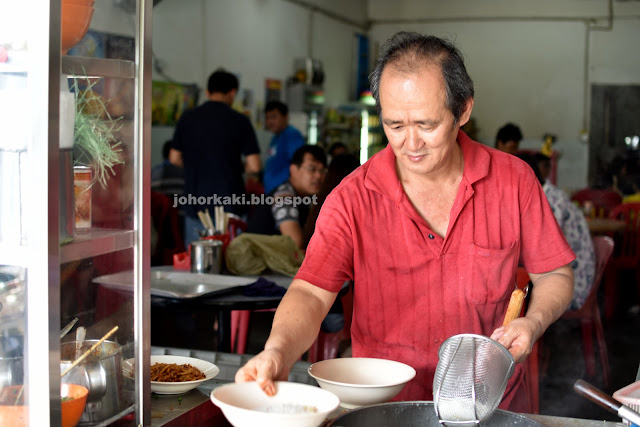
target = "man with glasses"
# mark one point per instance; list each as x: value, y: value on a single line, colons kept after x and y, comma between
x: 290, y: 202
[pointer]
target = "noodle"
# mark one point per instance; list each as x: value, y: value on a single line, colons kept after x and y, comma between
x: 172, y: 372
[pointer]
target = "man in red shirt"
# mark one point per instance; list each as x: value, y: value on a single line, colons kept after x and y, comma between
x: 431, y: 230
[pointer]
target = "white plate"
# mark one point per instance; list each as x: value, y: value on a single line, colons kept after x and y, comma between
x: 208, y: 369
x: 178, y: 284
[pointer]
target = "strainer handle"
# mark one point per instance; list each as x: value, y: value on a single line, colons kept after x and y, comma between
x: 515, y: 306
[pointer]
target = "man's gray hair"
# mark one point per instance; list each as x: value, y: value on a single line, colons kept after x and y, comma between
x: 407, y: 51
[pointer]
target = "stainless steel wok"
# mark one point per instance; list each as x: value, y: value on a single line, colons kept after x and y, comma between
x: 417, y: 413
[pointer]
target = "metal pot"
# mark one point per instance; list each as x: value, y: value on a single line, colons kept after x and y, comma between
x: 101, y: 373
x: 414, y: 414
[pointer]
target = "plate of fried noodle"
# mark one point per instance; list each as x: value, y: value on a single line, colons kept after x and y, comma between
x: 175, y: 374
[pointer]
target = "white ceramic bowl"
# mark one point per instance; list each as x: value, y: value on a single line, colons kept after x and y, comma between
x: 294, y: 405
x: 360, y: 381
x: 208, y: 369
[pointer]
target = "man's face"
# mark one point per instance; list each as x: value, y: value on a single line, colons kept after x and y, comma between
x: 275, y: 121
x: 308, y: 178
x: 419, y: 126
x: 510, y: 146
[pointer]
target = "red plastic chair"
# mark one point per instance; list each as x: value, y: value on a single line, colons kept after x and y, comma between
x: 240, y: 330
x: 589, y: 313
x: 236, y: 226
x: 603, y: 200
x: 627, y: 255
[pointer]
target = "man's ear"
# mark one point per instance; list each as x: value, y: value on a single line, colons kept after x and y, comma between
x: 466, y: 113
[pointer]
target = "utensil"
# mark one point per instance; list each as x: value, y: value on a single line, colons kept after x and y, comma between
x: 206, y: 256
x: 203, y: 220
x: 210, y: 225
x: 597, y: 396
x: 417, y: 413
x: 86, y: 353
x: 68, y: 328
x: 472, y: 373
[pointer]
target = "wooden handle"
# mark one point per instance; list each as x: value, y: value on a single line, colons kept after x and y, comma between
x: 515, y: 306
x: 595, y: 395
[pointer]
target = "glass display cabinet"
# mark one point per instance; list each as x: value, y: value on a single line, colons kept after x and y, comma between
x: 358, y: 126
x: 75, y: 81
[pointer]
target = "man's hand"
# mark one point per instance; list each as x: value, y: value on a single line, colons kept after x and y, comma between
x: 550, y: 297
x: 517, y: 337
x: 265, y: 368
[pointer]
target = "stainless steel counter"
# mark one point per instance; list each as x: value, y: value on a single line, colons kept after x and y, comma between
x: 165, y: 409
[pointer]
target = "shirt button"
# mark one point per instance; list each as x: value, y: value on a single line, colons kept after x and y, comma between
x: 431, y: 236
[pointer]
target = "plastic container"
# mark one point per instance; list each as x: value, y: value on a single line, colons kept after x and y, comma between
x: 629, y: 396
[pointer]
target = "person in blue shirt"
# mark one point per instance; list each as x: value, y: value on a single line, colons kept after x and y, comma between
x: 286, y: 140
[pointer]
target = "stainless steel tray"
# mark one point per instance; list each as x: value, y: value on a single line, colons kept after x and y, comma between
x: 178, y: 284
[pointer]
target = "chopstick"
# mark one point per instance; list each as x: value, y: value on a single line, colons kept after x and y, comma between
x: 203, y: 219
x: 220, y: 219
x: 86, y: 353
x: 208, y: 217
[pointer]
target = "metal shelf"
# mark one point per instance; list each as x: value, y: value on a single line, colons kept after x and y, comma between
x: 98, y: 67
x: 96, y: 241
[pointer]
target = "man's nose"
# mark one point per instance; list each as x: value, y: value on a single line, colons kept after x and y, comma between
x: 412, y: 139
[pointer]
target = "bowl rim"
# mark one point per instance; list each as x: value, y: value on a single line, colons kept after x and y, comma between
x: 84, y: 391
x: 254, y: 412
x: 351, y: 385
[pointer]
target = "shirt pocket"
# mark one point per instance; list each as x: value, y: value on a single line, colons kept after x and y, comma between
x: 492, y: 273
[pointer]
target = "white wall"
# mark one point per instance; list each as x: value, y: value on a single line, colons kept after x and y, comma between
x: 256, y: 39
x: 528, y: 60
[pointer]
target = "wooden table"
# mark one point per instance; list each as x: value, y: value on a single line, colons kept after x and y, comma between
x: 605, y: 225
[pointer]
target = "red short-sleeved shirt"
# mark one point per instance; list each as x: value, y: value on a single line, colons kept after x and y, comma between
x: 414, y: 289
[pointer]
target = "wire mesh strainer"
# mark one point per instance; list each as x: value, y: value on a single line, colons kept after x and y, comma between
x: 472, y: 374
x: 470, y: 379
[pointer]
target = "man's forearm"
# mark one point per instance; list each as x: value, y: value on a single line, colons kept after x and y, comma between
x: 297, y: 320
x: 252, y: 165
x: 551, y: 296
